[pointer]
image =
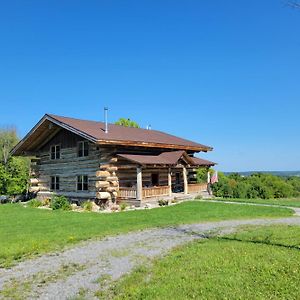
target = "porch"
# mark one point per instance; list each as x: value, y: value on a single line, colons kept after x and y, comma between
x: 144, y: 178
x: 159, y: 191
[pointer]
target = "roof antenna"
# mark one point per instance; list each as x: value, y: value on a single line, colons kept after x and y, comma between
x: 149, y: 127
x: 105, y: 119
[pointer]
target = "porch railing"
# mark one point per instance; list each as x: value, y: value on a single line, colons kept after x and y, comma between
x: 197, y: 188
x: 155, y: 191
x: 130, y: 193
x: 148, y: 192
x: 127, y: 193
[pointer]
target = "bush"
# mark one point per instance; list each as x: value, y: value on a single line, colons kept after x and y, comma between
x: 46, y: 202
x: 87, y: 205
x: 123, y: 206
x: 34, y: 203
x: 60, y: 202
x: 163, y: 202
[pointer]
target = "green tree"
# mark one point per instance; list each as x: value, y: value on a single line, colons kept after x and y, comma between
x: 127, y: 123
x: 14, y: 171
x: 202, y: 174
x: 8, y: 139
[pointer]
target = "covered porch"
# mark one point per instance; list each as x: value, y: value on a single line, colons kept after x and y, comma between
x: 165, y: 176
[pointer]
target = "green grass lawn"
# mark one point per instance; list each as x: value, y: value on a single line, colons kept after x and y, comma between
x: 29, y: 231
x: 258, y: 263
x: 295, y: 202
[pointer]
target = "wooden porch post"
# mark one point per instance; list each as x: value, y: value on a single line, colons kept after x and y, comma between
x: 139, y: 183
x: 185, y: 182
x: 170, y: 182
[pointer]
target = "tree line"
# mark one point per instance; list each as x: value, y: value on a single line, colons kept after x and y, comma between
x: 258, y: 185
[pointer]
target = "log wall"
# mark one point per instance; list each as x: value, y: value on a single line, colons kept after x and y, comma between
x: 68, y: 167
x: 106, y: 172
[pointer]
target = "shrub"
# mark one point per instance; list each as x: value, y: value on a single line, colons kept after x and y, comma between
x: 34, y: 203
x: 46, y: 202
x: 60, y: 202
x: 163, y: 202
x: 87, y: 205
x: 123, y: 206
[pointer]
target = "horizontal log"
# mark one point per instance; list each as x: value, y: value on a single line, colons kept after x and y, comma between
x: 102, y: 184
x: 112, y: 178
x: 102, y: 174
x: 103, y: 167
x: 111, y: 189
x: 103, y: 195
x: 34, y: 181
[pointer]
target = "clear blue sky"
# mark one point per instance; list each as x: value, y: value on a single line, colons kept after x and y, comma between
x: 223, y: 73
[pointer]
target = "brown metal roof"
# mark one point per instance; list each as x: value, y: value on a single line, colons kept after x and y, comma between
x: 166, y: 158
x: 95, y: 132
x: 126, y: 135
x: 202, y: 162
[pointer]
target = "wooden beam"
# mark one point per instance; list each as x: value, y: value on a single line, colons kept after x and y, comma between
x: 170, y: 182
x: 139, y: 183
x: 185, y: 181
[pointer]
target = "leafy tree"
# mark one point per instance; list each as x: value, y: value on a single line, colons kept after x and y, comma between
x: 202, y: 174
x: 14, y: 171
x: 8, y: 139
x: 127, y: 123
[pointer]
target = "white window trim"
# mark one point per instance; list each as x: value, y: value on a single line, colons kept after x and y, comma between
x: 83, y: 148
x: 82, y: 181
x: 55, y: 151
x: 55, y: 183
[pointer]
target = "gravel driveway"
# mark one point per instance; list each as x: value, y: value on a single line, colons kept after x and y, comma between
x: 92, y: 265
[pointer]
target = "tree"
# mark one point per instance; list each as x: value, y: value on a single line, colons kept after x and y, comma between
x: 127, y: 123
x: 8, y: 139
x: 14, y: 171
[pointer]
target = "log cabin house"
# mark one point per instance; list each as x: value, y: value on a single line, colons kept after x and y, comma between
x: 103, y: 162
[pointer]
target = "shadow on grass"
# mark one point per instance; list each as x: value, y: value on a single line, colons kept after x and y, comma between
x: 261, y: 242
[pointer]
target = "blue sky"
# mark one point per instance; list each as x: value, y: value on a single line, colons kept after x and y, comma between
x: 223, y: 73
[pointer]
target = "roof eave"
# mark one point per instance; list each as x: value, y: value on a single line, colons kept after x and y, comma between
x: 16, y: 149
x: 155, y: 145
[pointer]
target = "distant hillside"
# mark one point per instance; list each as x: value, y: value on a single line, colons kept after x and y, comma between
x: 277, y: 173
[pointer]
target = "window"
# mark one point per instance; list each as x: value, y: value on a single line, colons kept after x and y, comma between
x: 82, y: 183
x: 83, y: 149
x: 155, y: 179
x: 54, y: 183
x: 55, y: 152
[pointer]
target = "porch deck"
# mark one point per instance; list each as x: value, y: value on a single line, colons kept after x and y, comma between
x: 152, y: 194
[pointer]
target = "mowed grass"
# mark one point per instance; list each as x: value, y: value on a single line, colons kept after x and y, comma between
x: 293, y: 202
x: 258, y: 263
x: 30, y: 231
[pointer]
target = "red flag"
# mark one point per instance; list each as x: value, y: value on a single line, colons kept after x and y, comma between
x: 214, y: 178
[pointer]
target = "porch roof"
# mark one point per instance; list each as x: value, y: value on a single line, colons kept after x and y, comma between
x: 166, y: 158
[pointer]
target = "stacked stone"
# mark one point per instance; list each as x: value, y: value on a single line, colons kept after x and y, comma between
x: 107, y: 183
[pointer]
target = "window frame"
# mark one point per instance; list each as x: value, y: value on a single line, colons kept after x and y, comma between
x: 56, y: 156
x: 85, y: 148
x: 54, y: 183
x: 80, y: 181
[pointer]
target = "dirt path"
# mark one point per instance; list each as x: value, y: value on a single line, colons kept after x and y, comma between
x: 90, y: 266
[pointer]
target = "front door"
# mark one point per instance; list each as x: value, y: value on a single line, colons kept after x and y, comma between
x: 178, y: 186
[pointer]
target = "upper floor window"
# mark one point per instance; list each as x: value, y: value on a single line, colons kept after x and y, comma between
x: 83, y: 149
x: 82, y: 183
x: 54, y: 183
x: 55, y: 152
